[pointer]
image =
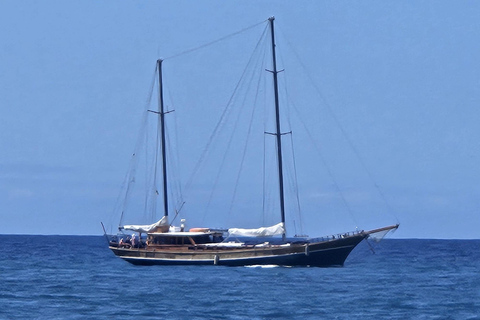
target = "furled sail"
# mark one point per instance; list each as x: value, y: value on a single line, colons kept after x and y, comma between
x: 277, y: 229
x: 146, y: 228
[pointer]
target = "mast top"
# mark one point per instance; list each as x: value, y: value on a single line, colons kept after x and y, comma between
x: 271, y: 18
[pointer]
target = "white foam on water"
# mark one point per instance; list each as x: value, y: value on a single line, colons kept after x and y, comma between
x: 266, y: 266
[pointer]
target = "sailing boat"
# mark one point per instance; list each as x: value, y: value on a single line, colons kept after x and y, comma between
x: 168, y: 245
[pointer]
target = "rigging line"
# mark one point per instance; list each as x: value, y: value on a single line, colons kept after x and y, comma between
x: 330, y: 173
x: 295, y: 176
x: 176, y: 166
x: 270, y: 201
x: 229, y: 144
x: 146, y: 138
x: 128, y: 184
x: 125, y: 185
x: 170, y: 166
x: 146, y: 141
x: 263, y: 198
x: 173, y: 168
x: 391, y: 209
x: 262, y: 61
x: 151, y: 187
x: 271, y: 197
x: 131, y: 173
x: 296, y: 185
x: 214, y: 41
x: 151, y: 159
x: 151, y: 184
x: 153, y: 191
x: 285, y: 89
x: 147, y: 177
x: 175, y: 189
x: 150, y: 166
x: 220, y: 121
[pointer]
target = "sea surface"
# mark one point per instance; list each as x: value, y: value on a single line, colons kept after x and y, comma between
x: 77, y: 277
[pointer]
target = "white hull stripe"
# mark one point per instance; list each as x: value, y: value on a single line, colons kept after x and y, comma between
x: 231, y: 259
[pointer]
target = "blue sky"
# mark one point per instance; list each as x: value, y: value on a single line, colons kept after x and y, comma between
x: 401, y: 78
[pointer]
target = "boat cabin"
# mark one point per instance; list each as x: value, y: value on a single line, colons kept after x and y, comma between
x: 183, y: 238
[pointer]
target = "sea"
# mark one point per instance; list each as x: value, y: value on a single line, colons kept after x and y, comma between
x: 77, y: 277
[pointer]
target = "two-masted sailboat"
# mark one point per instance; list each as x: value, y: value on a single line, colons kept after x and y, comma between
x: 168, y: 245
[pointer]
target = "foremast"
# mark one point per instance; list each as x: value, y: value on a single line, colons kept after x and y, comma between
x: 162, y: 129
x: 161, y: 224
x: 278, y: 133
x: 161, y: 114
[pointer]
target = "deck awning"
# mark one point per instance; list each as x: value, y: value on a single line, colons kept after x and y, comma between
x: 277, y: 229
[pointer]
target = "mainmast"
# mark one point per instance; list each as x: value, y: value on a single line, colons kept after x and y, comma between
x: 162, y: 132
x: 278, y: 131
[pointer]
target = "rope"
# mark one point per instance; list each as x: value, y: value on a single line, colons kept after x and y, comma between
x: 217, y: 127
x: 231, y: 103
x: 248, y: 134
x: 349, y: 141
x: 330, y: 173
x: 213, y: 42
x: 296, y: 184
x: 174, y: 164
x: 131, y: 173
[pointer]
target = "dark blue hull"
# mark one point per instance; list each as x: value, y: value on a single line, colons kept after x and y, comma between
x: 319, y: 254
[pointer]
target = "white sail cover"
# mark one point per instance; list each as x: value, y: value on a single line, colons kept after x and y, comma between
x: 146, y: 228
x: 260, y: 232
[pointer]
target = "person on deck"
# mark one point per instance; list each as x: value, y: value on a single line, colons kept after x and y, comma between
x: 124, y: 244
x: 134, y: 241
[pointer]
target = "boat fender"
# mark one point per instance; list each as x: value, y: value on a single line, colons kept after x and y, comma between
x: 216, y: 259
x: 307, y: 250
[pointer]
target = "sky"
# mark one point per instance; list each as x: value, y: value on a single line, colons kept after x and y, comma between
x: 396, y: 85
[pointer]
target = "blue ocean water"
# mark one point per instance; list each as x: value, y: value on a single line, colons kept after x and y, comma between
x: 77, y: 277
